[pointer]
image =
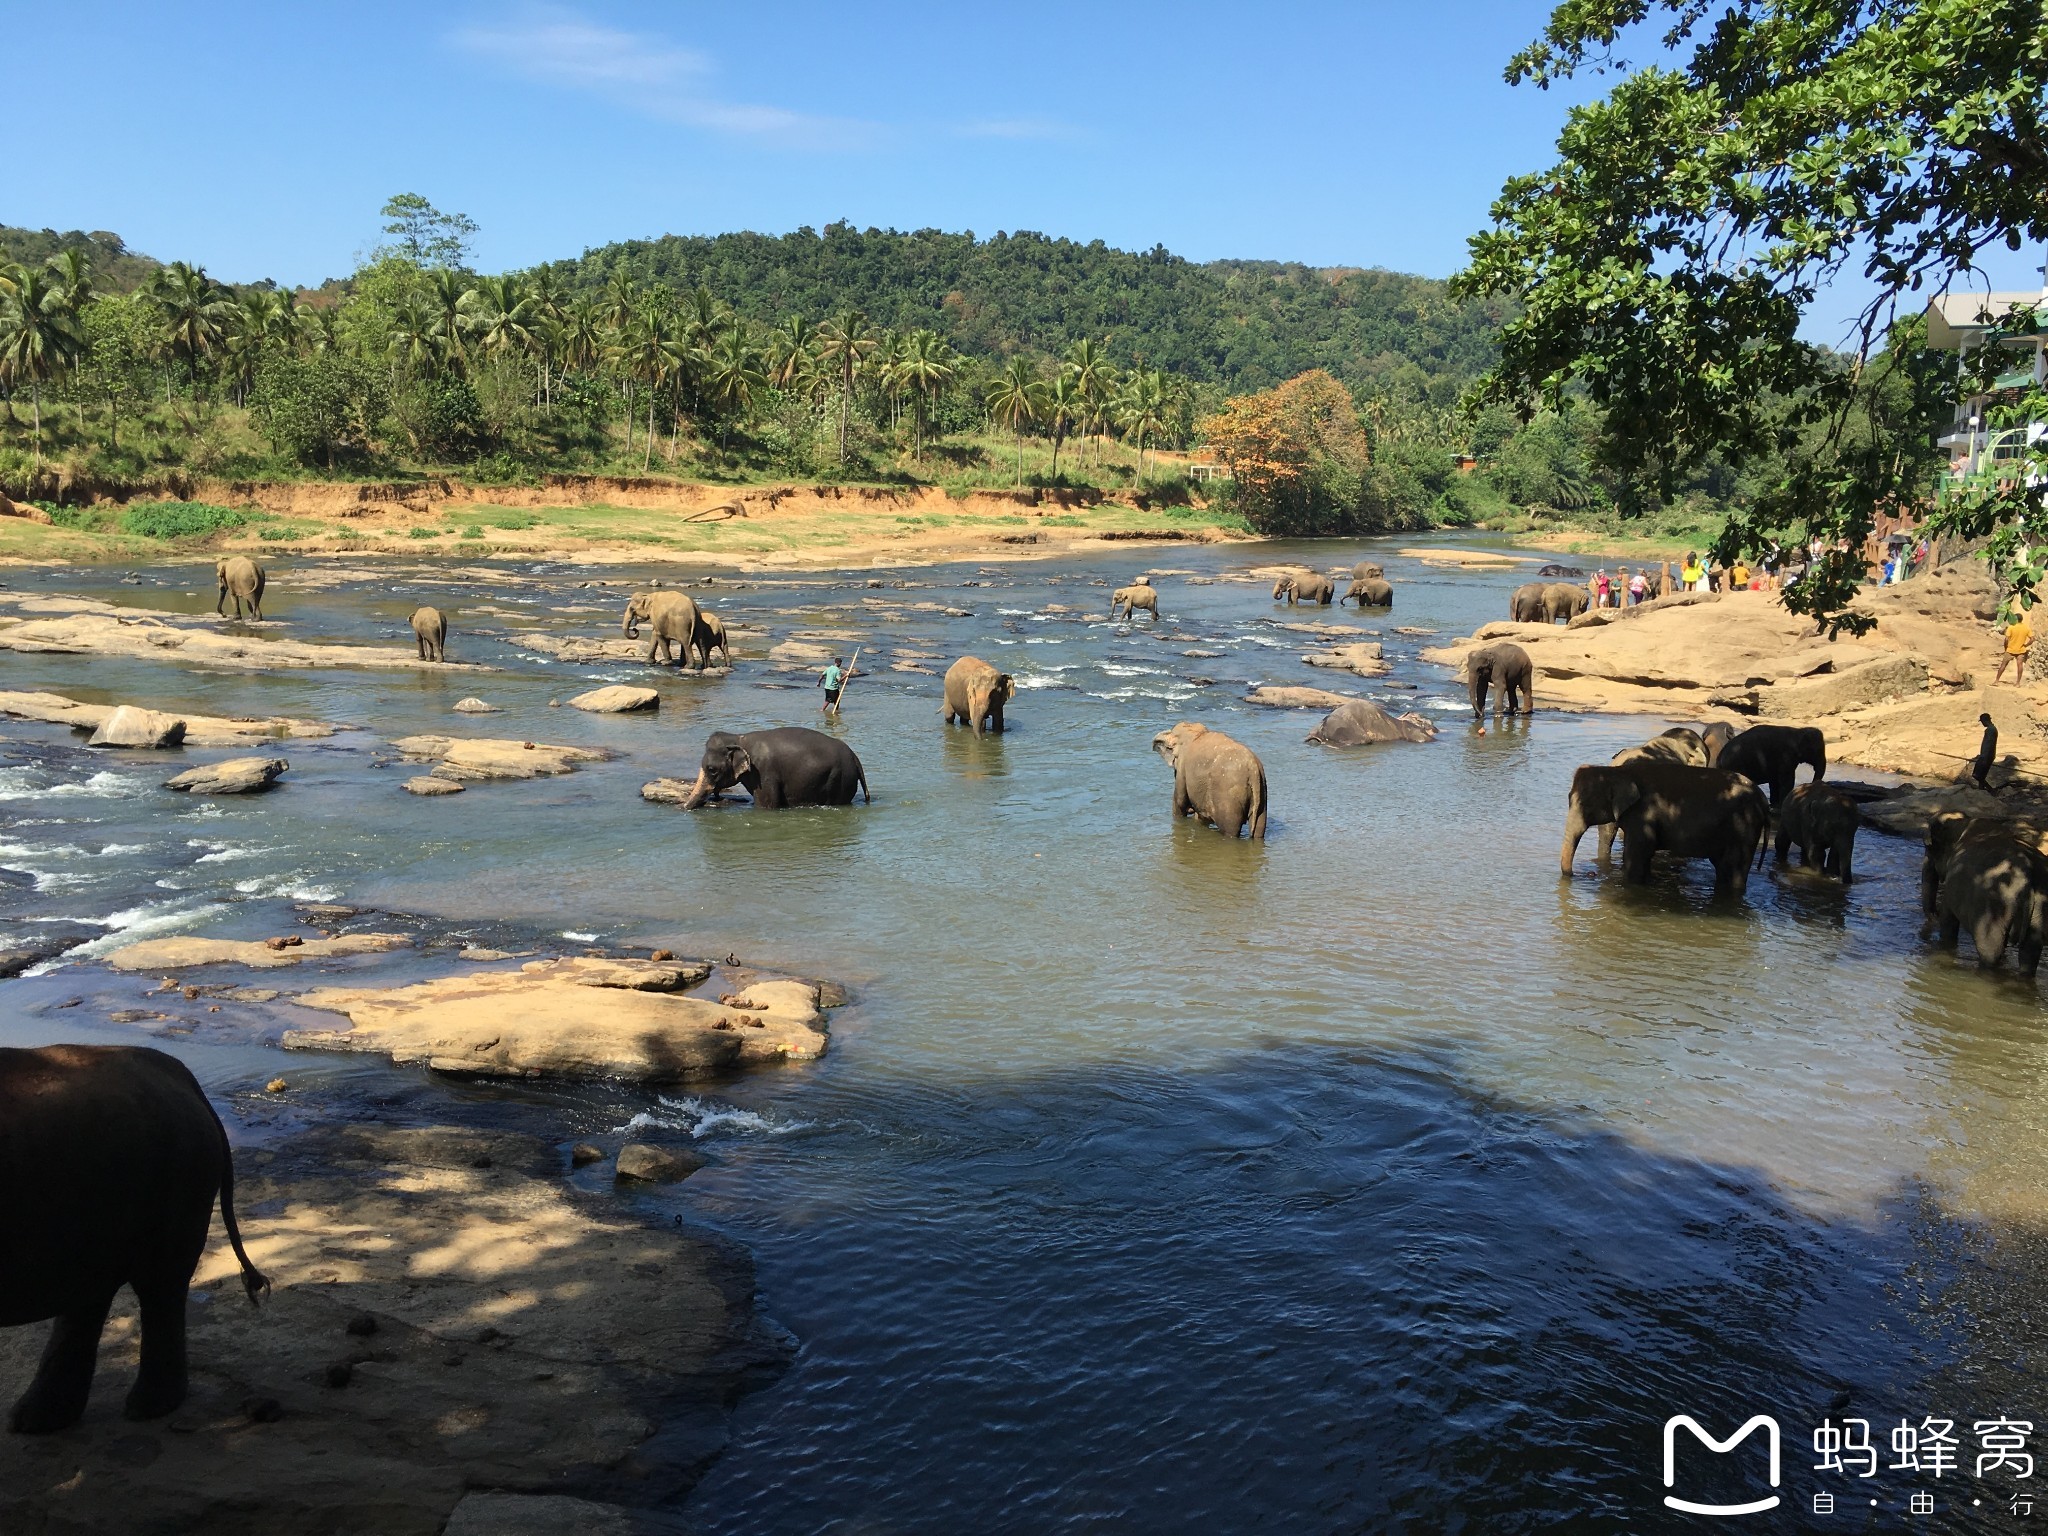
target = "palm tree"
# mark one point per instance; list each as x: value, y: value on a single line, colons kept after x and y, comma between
x: 38, y: 338
x: 734, y: 375
x: 498, y: 314
x: 1140, y: 409
x: 193, y: 312
x: 71, y: 274
x: 1096, y: 381
x: 926, y: 366
x: 621, y: 300
x: 446, y: 289
x: 581, y: 336
x: 1063, y: 410
x: 1015, y: 398
x: 652, y: 353
x: 843, y: 346
x: 415, y: 338
x: 549, y: 307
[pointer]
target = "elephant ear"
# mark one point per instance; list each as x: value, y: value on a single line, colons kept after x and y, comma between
x: 1006, y: 687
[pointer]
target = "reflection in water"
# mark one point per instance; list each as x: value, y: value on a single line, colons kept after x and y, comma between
x: 1369, y: 1176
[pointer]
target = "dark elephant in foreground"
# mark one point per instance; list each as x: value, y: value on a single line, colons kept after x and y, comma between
x: 430, y: 632
x: 1361, y: 722
x: 1677, y: 745
x: 113, y: 1159
x: 1216, y: 778
x: 242, y: 579
x: 1369, y: 592
x: 1822, y: 822
x: 1504, y: 666
x: 976, y: 693
x: 1692, y: 813
x: 791, y: 765
x: 1305, y: 587
x: 1976, y: 874
x: 1770, y: 755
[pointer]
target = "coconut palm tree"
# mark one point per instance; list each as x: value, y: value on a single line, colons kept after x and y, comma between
x: 1016, y: 399
x: 549, y: 306
x: 39, y: 338
x: 652, y: 353
x: 580, y: 343
x: 1140, y: 409
x: 1063, y: 411
x: 844, y: 345
x: 1096, y: 381
x: 446, y: 289
x: 193, y: 314
x: 734, y: 376
x: 792, y: 367
x: 927, y: 366
x: 498, y: 316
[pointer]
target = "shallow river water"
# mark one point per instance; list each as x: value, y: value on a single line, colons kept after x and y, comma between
x: 1370, y: 1178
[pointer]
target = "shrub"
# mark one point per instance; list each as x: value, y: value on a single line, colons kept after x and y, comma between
x: 424, y: 533
x: 179, y: 519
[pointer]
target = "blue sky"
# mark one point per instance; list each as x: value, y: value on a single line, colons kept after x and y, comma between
x: 260, y: 140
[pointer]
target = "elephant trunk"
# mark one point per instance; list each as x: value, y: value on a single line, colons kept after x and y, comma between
x: 699, y: 791
x: 630, y: 625
x: 1574, y: 832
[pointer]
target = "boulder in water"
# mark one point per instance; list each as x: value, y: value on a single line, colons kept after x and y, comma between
x: 427, y: 784
x: 236, y: 776
x: 132, y: 726
x: 641, y: 1163
x: 618, y: 699
x: 1360, y: 722
x: 474, y: 706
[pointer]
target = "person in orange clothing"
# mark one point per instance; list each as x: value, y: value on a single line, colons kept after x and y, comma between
x: 2019, y: 635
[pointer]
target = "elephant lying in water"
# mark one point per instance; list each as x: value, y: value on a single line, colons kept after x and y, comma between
x: 243, y: 579
x: 430, y: 630
x: 1694, y: 813
x: 113, y: 1158
x: 1305, y: 587
x: 1507, y: 666
x: 1361, y: 722
x: 791, y: 765
x: 1218, y: 779
x: 1139, y: 594
x: 671, y: 619
x: 976, y: 692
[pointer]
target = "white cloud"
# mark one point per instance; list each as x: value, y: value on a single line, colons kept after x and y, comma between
x: 645, y: 74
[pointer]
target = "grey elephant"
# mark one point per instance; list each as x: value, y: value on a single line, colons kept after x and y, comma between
x: 1716, y: 734
x: 114, y: 1159
x: 1692, y: 813
x: 430, y: 630
x: 1139, y: 594
x: 1527, y: 604
x: 242, y: 579
x: 1220, y: 780
x: 1678, y: 745
x: 709, y: 636
x: 1367, y: 570
x: 1997, y: 887
x: 1504, y: 666
x: 671, y: 620
x: 1369, y: 592
x: 1771, y: 754
x: 1563, y: 600
x: 1361, y: 722
x: 791, y: 765
x: 1948, y: 831
x: 1305, y: 587
x: 976, y: 693
x: 1821, y: 821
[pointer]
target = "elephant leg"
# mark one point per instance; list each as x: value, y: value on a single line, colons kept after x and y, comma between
x: 56, y: 1398
x: 1988, y: 933
x: 995, y: 718
x: 1605, y: 847
x: 2030, y: 951
x: 160, y: 1384
x: 1180, y: 799
x: 1845, y: 855
x: 1951, y: 929
x: 1636, y: 853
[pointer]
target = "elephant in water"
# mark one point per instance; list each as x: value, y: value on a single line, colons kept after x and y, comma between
x: 1997, y: 887
x: 1367, y: 570
x: 430, y: 629
x: 1678, y: 745
x: 1820, y: 819
x: 1218, y: 779
x: 114, y: 1158
x: 1369, y: 592
x: 1362, y: 722
x: 1305, y: 587
x: 1527, y: 604
x: 1948, y: 833
x: 791, y: 765
x: 709, y: 636
x: 1139, y: 594
x: 1506, y: 666
x: 242, y: 579
x: 1692, y: 813
x: 1771, y: 755
x: 671, y: 619
x: 1716, y: 734
x: 976, y: 692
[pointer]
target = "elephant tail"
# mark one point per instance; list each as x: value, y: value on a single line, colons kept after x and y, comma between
x: 253, y: 1279
x: 862, y: 775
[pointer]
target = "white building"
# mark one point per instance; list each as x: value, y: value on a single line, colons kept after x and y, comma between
x: 1979, y: 454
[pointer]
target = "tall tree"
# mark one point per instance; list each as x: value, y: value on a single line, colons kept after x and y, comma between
x: 1016, y: 399
x: 1063, y: 409
x: 426, y: 236
x: 844, y: 344
x: 1140, y: 409
x: 733, y: 376
x: 651, y: 352
x: 927, y: 367
x: 193, y: 313
x: 38, y: 338
x: 1095, y: 379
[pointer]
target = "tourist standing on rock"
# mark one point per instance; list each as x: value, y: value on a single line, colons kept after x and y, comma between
x: 2019, y: 635
x: 1692, y: 576
x: 1638, y: 587
x: 1600, y: 588
x: 1987, y: 754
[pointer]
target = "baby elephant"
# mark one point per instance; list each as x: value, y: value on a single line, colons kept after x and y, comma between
x: 1220, y: 780
x: 430, y: 629
x: 110, y: 1161
x: 1130, y: 599
x: 976, y: 693
x: 1506, y: 666
x: 1369, y: 592
x: 1819, y: 819
x: 242, y: 579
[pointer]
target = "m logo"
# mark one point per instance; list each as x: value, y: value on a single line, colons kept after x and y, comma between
x: 1762, y: 1421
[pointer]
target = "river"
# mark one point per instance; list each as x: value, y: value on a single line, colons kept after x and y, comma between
x: 1370, y: 1178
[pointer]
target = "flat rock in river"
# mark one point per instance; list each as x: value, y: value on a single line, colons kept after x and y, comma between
x: 130, y: 725
x: 477, y: 758
x: 89, y: 633
x: 175, y: 954
x: 200, y: 730
x: 236, y: 776
x: 427, y: 784
x: 617, y: 699
x: 552, y: 1019
x: 1364, y: 659
x: 1297, y: 698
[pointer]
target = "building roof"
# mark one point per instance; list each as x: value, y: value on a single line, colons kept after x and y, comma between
x: 1953, y: 318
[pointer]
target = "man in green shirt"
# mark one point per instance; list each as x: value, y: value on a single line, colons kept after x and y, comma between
x: 833, y: 678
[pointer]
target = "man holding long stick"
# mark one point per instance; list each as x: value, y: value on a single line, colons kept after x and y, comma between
x: 834, y: 679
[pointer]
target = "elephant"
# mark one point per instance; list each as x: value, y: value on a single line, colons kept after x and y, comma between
x: 671, y: 619
x: 1305, y: 586
x: 1820, y: 818
x: 1368, y: 570
x: 1218, y: 779
x: 1369, y: 592
x: 1527, y: 603
x: 1771, y: 754
x: 1693, y: 813
x: 244, y: 580
x: 1506, y: 666
x: 1554, y: 572
x: 1948, y: 831
x: 709, y: 636
x: 1997, y: 886
x: 790, y: 765
x: 430, y: 629
x: 1677, y: 745
x: 976, y: 692
x: 114, y: 1159
x: 1716, y: 734
x: 1563, y: 600
x: 1140, y: 594
x: 1362, y: 722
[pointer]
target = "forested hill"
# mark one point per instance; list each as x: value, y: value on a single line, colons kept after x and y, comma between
x: 1243, y: 324
x: 113, y: 263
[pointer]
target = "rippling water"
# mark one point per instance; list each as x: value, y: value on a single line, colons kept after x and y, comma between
x: 1371, y: 1178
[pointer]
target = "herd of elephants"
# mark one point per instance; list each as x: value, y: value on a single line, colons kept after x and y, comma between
x: 136, y: 1157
